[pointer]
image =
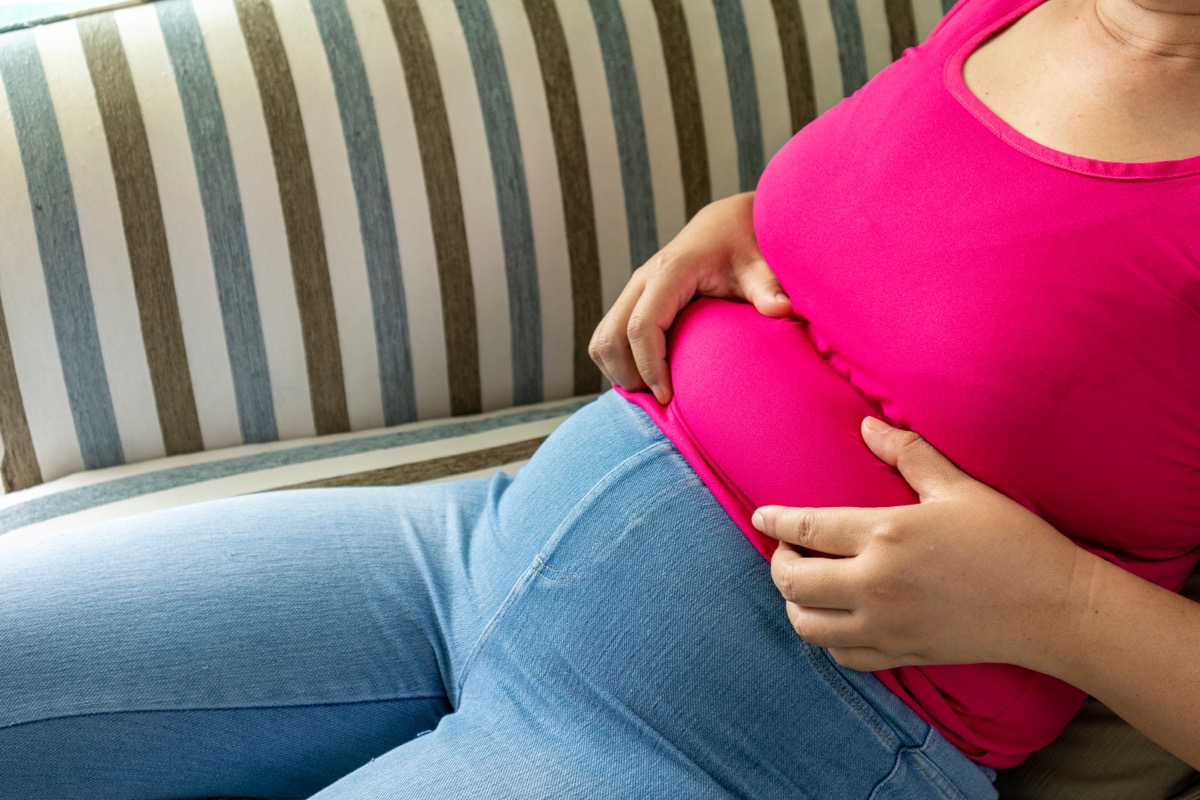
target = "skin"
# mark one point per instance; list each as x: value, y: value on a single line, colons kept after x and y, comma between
x: 968, y: 575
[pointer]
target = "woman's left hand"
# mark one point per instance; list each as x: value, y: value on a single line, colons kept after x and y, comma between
x: 966, y: 575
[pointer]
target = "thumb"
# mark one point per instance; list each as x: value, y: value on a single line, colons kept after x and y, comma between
x: 927, y: 471
x: 758, y: 284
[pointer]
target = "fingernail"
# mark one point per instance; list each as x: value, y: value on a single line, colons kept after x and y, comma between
x: 781, y: 297
x: 658, y: 394
x: 876, y: 425
x: 757, y: 520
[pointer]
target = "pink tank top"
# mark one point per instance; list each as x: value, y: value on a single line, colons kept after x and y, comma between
x: 1035, y: 315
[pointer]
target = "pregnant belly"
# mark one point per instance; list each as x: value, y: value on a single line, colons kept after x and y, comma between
x: 769, y: 415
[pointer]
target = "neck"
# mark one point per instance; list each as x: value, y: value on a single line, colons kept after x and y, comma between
x: 1154, y: 33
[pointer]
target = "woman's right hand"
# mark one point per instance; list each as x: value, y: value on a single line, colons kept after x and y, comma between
x: 716, y: 255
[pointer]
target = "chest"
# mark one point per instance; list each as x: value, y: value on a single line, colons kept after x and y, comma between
x: 1052, y: 77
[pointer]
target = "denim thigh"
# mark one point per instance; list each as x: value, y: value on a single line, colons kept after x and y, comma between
x: 643, y: 651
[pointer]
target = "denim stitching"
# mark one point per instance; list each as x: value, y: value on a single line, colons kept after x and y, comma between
x: 838, y: 683
x: 518, y: 588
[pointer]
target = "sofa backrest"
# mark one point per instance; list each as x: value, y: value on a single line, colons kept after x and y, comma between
x: 234, y: 221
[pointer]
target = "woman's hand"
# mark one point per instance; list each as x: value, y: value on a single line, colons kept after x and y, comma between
x: 966, y: 575
x: 716, y: 255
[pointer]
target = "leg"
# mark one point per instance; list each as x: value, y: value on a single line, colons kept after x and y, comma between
x: 646, y: 653
x: 259, y: 646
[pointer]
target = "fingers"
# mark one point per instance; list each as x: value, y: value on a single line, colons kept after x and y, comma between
x: 813, y: 582
x: 656, y: 309
x: 609, y: 346
x: 927, y: 471
x: 837, y: 531
x: 758, y: 284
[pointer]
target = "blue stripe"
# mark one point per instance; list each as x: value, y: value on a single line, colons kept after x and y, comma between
x: 223, y: 215
x: 57, y: 223
x: 631, y: 130
x: 946, y: 6
x: 743, y: 90
x: 376, y: 222
x: 512, y: 197
x: 852, y: 54
x: 40, y: 509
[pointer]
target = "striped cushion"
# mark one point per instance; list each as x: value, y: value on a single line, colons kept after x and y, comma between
x: 415, y: 452
x: 242, y: 221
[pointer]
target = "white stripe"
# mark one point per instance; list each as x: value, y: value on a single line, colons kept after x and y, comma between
x: 714, y: 98
x: 103, y: 236
x: 877, y: 41
x: 822, y: 53
x: 339, y: 211
x: 183, y: 217
x: 666, y: 174
x: 27, y: 313
x: 927, y: 14
x: 478, y: 189
x: 600, y: 136
x: 266, y: 231
x: 545, y: 197
x: 410, y: 206
x: 774, y: 109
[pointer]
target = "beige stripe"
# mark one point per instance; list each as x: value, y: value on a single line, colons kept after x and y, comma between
x: 685, y: 105
x: 101, y: 231
x: 18, y: 462
x: 339, y: 209
x: 715, y: 105
x: 298, y: 193
x: 769, y: 74
x: 877, y: 41
x: 570, y: 151
x: 183, y: 219
x: 926, y: 14
x: 902, y: 29
x: 262, y: 208
x: 822, y: 53
x: 27, y: 308
x: 794, y: 43
x: 470, y: 300
x: 145, y: 236
x: 658, y: 116
x: 431, y: 469
x: 410, y: 208
x: 545, y: 197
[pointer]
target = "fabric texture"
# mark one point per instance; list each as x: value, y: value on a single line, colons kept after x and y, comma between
x: 1006, y: 301
x: 243, y: 221
x: 523, y: 637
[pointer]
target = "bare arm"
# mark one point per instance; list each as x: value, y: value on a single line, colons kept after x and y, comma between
x: 1136, y: 648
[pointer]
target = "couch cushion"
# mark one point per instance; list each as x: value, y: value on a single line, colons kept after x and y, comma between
x: 415, y: 452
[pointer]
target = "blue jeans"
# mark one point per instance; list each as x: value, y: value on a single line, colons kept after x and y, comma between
x: 595, y: 627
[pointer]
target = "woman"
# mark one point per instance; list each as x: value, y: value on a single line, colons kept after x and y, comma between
x: 976, y: 249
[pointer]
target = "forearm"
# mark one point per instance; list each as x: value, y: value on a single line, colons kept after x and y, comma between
x: 1135, y: 647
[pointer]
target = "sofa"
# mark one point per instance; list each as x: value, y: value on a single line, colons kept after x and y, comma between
x: 248, y: 245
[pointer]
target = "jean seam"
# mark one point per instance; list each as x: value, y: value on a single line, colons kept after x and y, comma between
x: 252, y: 707
x: 520, y: 585
x: 851, y: 697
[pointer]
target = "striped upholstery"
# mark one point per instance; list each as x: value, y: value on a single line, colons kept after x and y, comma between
x: 242, y: 221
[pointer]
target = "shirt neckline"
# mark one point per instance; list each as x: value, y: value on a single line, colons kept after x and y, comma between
x: 1128, y: 170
